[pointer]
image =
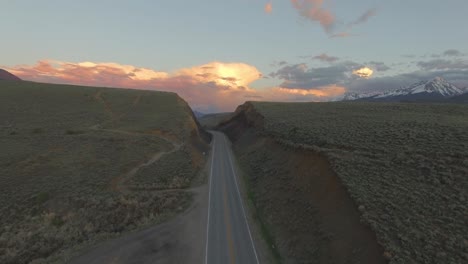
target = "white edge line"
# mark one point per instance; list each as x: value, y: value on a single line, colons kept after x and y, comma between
x: 240, y: 198
x: 209, y: 201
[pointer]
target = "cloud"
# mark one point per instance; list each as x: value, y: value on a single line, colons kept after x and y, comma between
x: 211, y: 87
x: 342, y: 35
x: 314, y: 11
x: 453, y: 53
x: 268, y: 7
x: 364, y: 17
x: 441, y: 64
x: 214, y: 86
x: 323, y: 91
x: 456, y: 76
x: 378, y: 66
x: 278, y: 63
x: 301, y: 76
x: 364, y: 72
x: 447, y: 53
x: 325, y: 58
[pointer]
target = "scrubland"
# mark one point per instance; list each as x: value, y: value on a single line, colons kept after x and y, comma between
x: 83, y: 164
x: 405, y: 167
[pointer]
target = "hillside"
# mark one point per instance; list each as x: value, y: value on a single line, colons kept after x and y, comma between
x: 7, y: 76
x: 463, y: 98
x: 357, y: 182
x: 83, y: 164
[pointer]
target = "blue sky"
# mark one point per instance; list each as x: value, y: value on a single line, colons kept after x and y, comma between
x: 167, y: 36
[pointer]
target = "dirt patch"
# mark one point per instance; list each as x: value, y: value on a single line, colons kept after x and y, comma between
x: 308, y: 211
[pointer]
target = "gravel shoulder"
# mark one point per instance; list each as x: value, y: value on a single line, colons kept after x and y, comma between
x: 180, y: 240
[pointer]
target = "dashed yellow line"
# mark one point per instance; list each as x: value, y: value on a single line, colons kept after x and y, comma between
x: 227, y: 221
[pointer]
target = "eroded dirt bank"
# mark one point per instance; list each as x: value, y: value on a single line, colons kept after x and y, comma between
x: 299, y: 200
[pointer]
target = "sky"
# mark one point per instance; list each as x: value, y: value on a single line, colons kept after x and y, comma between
x: 217, y: 54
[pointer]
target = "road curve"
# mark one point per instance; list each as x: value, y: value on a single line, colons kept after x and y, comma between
x: 229, y: 239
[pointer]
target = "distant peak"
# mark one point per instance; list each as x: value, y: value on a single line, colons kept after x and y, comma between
x: 7, y: 76
x: 438, y: 79
x: 437, y: 87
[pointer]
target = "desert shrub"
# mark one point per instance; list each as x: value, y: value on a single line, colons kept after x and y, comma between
x: 56, y: 188
x: 73, y: 132
x: 405, y: 166
x: 42, y: 197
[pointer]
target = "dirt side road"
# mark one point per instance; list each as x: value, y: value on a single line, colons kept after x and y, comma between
x: 181, y: 240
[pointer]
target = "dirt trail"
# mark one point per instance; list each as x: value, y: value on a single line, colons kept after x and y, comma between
x: 118, y: 183
x: 180, y: 240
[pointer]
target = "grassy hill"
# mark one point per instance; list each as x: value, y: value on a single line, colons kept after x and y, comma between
x: 82, y: 164
x: 322, y: 175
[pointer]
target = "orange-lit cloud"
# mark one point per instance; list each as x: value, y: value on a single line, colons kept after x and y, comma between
x: 268, y: 7
x: 212, y: 86
x: 324, y: 91
x: 215, y: 86
x: 364, y: 72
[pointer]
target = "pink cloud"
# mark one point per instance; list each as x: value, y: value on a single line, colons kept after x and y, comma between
x: 215, y: 86
x: 318, y: 93
x: 314, y: 11
x: 268, y: 7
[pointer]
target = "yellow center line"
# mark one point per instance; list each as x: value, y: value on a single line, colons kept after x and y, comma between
x: 227, y: 221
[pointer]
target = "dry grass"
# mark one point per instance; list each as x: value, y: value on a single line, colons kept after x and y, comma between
x: 60, y: 149
x: 405, y: 166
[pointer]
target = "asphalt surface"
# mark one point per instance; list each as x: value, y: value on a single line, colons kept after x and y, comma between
x: 229, y: 239
x: 214, y: 230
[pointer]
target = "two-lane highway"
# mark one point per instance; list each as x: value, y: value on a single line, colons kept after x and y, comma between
x: 229, y: 239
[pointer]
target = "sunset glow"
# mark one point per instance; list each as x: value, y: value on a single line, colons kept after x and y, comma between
x: 328, y: 91
x: 364, y: 72
x: 218, y: 54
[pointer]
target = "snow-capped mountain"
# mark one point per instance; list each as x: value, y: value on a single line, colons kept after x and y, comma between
x: 352, y: 96
x: 357, y: 96
x: 436, y: 89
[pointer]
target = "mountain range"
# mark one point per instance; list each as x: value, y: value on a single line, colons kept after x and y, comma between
x: 435, y: 90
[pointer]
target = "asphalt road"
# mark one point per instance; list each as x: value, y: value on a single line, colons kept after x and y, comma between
x: 229, y: 239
